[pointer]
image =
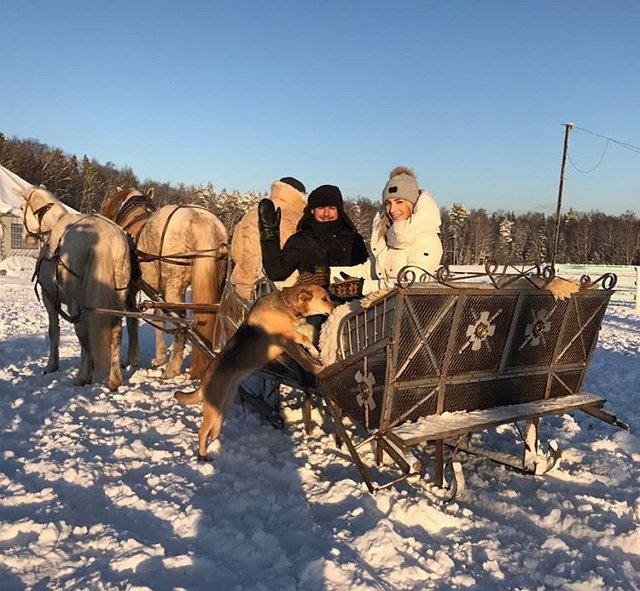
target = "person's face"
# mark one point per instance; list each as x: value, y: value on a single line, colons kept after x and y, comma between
x: 398, y: 209
x: 328, y: 213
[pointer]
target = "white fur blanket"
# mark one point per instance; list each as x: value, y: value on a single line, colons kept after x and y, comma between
x: 329, y: 338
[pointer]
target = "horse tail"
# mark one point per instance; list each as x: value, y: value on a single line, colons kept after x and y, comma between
x: 99, y: 293
x: 204, y: 290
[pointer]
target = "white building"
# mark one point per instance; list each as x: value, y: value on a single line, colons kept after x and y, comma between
x: 12, y: 242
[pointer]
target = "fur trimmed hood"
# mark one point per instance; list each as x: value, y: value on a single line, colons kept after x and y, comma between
x: 285, y: 196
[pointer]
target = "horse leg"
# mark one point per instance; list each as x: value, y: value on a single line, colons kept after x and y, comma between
x: 133, y: 354
x: 86, y: 365
x: 115, y: 373
x: 54, y: 335
x: 177, y: 348
x: 161, y: 347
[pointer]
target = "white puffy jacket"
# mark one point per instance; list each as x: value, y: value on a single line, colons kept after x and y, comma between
x: 414, y: 241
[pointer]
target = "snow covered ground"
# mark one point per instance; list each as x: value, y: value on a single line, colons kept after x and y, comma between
x: 101, y: 490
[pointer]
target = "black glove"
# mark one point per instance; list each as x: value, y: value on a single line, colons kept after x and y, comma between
x: 269, y: 220
x: 348, y: 289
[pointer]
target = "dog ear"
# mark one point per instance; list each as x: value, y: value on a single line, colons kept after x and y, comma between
x: 296, y: 298
x: 286, y: 297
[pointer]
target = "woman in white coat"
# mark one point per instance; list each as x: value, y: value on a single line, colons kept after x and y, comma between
x: 407, y: 233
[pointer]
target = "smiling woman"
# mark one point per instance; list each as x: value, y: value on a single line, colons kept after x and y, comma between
x: 408, y: 231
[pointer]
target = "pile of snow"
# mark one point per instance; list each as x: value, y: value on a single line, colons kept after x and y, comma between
x: 101, y: 490
x: 17, y: 266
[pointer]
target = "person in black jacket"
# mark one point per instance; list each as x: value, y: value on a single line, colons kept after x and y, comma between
x: 326, y: 239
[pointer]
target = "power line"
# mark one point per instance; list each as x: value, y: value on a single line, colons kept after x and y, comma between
x: 596, y: 166
x: 625, y: 145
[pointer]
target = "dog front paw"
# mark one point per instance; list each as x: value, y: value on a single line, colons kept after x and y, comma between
x: 203, y: 459
x: 313, y: 351
x: 315, y: 366
x: 313, y: 355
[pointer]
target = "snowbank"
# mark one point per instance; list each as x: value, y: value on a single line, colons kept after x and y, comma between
x: 17, y: 266
x: 101, y: 490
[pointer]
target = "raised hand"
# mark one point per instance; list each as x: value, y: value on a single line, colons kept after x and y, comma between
x: 269, y: 220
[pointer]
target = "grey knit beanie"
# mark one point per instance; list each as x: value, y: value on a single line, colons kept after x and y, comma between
x: 402, y: 184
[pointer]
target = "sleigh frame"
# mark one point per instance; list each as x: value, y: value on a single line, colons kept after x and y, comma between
x: 442, y: 357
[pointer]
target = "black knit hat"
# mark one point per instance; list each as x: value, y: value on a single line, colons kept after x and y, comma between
x: 295, y: 183
x: 325, y: 195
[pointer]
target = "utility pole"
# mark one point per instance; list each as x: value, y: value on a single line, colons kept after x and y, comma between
x: 565, y: 150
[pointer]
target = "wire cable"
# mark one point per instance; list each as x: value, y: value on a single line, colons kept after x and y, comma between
x: 625, y: 145
x: 596, y: 166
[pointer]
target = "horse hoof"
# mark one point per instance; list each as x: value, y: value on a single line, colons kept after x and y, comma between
x: 202, y: 459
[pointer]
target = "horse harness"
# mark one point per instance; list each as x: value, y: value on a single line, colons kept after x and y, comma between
x: 183, y: 259
x: 57, y: 260
x: 130, y: 205
x: 39, y: 215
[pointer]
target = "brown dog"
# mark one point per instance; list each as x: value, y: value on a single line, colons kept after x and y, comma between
x: 268, y: 331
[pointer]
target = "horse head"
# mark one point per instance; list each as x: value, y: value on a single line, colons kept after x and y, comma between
x: 37, y: 203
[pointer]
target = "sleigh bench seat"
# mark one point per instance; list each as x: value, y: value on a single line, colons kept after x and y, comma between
x: 452, y: 424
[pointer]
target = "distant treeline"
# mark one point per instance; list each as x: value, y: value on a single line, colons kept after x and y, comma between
x: 469, y: 236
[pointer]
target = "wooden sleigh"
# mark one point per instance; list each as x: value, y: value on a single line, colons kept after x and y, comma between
x: 432, y: 362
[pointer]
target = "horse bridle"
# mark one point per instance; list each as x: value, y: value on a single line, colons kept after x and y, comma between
x: 38, y: 214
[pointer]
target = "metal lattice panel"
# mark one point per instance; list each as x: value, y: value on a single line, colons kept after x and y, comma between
x: 469, y: 348
x: 500, y: 392
x: 232, y: 312
x: 583, y: 322
x: 566, y: 382
x: 482, y: 332
x: 412, y: 403
x: 424, y: 332
x: 536, y: 332
x: 359, y: 390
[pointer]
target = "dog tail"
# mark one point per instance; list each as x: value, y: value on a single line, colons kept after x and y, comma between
x: 197, y: 395
x: 188, y: 398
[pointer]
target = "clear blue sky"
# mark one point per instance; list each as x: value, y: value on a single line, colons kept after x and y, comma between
x: 471, y: 94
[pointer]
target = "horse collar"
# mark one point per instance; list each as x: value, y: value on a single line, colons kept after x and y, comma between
x: 131, y: 204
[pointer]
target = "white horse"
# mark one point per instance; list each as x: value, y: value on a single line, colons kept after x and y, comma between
x: 84, y: 263
x: 177, y: 246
